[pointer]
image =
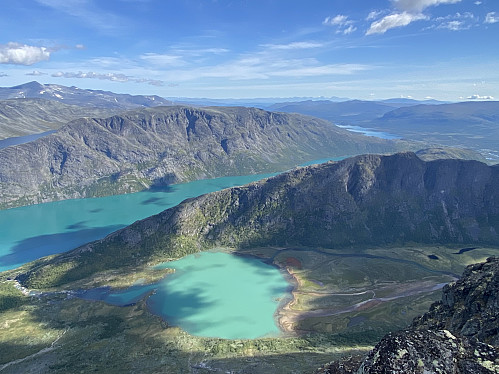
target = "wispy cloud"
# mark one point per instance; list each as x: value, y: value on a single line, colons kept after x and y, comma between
x: 294, y: 45
x: 454, y: 26
x: 89, y: 13
x: 343, y: 23
x: 394, y: 20
x: 2, y: 74
x: 114, y: 77
x: 36, y: 73
x: 491, y: 18
x: 417, y: 6
x: 373, y: 15
x: 407, y: 12
x: 22, y: 54
x: 163, y: 59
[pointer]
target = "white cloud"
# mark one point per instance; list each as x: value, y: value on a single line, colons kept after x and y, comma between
x: 114, y: 77
x: 350, y: 29
x: 453, y: 26
x: 478, y: 97
x: 417, y: 6
x: 338, y: 20
x: 373, y: 15
x: 343, y: 24
x: 295, y: 45
x: 491, y: 18
x: 22, y: 54
x: 394, y: 20
x: 80, y: 46
x: 36, y: 73
x: 477, y: 2
x: 3, y: 74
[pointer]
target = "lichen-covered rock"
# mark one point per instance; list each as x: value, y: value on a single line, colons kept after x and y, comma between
x: 428, y: 352
x: 470, y: 306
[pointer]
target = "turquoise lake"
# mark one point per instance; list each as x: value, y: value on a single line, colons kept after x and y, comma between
x: 212, y: 294
x: 30, y: 232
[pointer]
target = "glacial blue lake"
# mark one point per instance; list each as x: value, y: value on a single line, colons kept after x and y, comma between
x: 30, y: 232
x: 211, y: 294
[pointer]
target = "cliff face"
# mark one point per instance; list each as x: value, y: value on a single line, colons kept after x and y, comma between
x: 460, y: 334
x: 157, y: 146
x: 364, y: 200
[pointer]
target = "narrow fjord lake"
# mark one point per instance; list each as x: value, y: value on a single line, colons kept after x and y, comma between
x: 30, y: 232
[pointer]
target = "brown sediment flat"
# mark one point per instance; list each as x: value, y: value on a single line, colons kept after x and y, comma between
x: 287, y: 317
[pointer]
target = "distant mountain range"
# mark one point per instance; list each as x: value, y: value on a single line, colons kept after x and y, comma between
x: 81, y: 97
x: 158, y: 146
x: 473, y: 125
x: 20, y: 117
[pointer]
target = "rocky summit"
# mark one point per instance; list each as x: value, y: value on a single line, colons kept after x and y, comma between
x: 460, y: 334
x: 158, y: 146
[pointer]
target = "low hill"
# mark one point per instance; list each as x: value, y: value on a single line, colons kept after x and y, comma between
x: 163, y: 145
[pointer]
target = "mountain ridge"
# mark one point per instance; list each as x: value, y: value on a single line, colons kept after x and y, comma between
x: 364, y: 200
x: 163, y: 145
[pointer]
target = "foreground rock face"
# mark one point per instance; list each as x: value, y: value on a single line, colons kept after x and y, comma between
x: 163, y: 145
x: 451, y: 338
x: 469, y: 307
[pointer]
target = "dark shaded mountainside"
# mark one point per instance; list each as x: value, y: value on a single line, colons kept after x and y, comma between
x: 163, y: 145
x: 81, y: 97
x: 460, y: 333
x: 20, y: 117
x: 364, y: 200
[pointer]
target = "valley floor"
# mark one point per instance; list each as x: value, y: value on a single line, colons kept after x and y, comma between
x: 343, y: 302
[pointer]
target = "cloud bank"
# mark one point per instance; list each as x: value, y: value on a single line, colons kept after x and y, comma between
x: 114, y: 77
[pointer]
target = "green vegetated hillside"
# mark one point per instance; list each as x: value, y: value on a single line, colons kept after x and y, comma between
x: 163, y: 145
x: 361, y: 201
x: 19, y: 117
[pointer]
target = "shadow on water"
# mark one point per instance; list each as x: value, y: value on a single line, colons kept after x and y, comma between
x: 43, y: 245
x: 153, y: 200
x: 77, y: 226
x: 97, y: 210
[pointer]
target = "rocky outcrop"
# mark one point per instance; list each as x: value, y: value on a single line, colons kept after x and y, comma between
x: 460, y: 334
x: 470, y: 306
x: 158, y: 146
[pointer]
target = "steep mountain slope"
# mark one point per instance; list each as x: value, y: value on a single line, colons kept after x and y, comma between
x: 365, y: 200
x: 19, y: 117
x: 158, y: 146
x: 81, y: 97
x: 453, y: 337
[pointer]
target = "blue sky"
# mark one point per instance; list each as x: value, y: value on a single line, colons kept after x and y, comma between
x: 443, y: 49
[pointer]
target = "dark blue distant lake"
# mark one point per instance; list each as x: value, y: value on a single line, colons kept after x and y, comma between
x: 4, y: 143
